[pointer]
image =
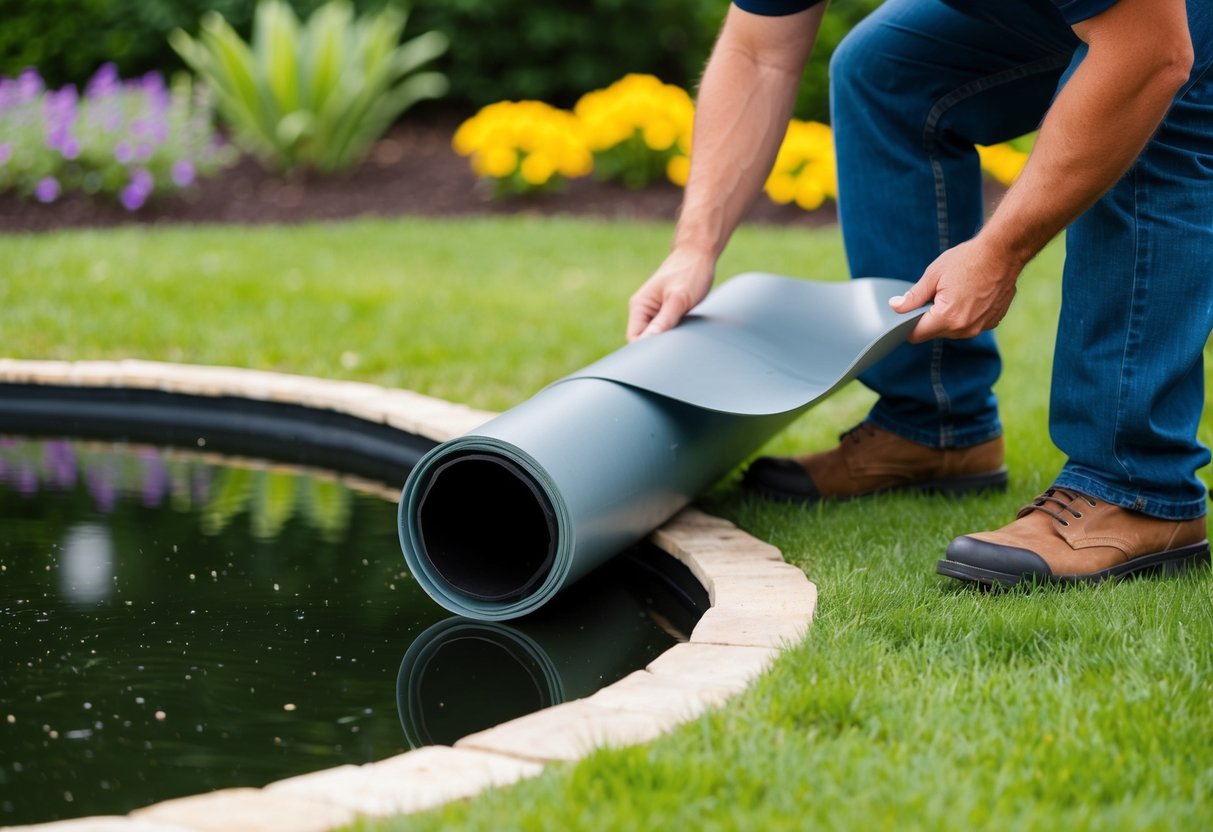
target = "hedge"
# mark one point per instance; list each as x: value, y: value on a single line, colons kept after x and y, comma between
x: 549, y: 50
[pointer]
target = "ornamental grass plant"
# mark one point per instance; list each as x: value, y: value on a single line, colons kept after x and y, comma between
x: 913, y: 702
x: 313, y: 95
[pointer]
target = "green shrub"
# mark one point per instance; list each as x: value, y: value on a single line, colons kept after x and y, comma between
x: 313, y: 95
x: 555, y: 51
x: 548, y: 50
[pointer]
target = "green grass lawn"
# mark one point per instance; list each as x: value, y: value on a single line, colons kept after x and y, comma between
x: 914, y: 702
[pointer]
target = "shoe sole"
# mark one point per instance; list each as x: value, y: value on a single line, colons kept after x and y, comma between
x: 1173, y: 561
x: 951, y: 487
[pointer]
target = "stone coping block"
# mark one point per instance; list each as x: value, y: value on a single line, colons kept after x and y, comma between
x: 249, y: 810
x: 759, y: 604
x: 98, y: 824
x: 421, y: 779
x: 570, y: 731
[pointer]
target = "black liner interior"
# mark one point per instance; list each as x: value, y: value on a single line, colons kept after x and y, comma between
x: 486, y: 527
x: 225, y: 424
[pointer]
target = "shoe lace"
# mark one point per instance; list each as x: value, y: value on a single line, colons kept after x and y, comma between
x: 1064, y: 504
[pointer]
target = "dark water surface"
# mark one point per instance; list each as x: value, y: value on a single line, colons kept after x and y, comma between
x: 171, y: 624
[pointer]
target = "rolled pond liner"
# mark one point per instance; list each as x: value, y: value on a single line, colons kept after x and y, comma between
x: 496, y: 522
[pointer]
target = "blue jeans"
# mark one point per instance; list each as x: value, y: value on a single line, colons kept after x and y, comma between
x: 913, y: 88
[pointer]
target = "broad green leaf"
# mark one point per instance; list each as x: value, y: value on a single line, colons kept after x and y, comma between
x: 276, y: 43
x: 418, y: 51
x: 327, y: 34
x: 228, y: 498
x: 273, y: 503
x: 294, y: 127
x: 328, y: 507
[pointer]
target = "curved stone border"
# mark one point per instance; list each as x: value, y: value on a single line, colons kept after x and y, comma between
x: 759, y: 604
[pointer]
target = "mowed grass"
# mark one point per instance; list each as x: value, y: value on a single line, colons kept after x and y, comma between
x: 914, y: 702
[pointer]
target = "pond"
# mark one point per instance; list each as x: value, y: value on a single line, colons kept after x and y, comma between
x: 174, y: 622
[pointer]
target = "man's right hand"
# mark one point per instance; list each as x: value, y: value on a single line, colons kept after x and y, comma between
x: 681, y: 282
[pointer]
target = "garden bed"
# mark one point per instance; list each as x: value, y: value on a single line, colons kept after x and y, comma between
x: 413, y: 171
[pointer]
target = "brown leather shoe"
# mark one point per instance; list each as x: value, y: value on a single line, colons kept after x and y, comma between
x: 871, y: 460
x: 1066, y: 536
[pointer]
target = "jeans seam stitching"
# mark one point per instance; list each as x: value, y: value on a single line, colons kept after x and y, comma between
x: 935, y: 114
x: 1131, y: 312
x: 942, y: 400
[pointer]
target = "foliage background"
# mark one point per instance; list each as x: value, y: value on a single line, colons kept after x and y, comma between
x: 501, y: 49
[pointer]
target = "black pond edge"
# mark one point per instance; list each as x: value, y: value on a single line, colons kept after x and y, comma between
x: 231, y: 425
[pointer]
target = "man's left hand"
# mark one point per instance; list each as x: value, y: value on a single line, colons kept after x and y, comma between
x: 972, y: 287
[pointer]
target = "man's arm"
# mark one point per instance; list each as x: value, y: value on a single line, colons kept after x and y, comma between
x: 1140, y: 54
x: 745, y: 101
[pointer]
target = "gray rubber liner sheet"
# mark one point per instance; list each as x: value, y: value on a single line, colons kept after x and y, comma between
x: 495, y: 522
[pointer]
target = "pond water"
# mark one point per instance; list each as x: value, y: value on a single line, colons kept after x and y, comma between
x: 172, y: 623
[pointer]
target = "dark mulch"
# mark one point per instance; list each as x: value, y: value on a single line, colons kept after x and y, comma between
x: 411, y: 172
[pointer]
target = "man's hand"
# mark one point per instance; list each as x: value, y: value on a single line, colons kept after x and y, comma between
x: 972, y: 286
x: 1139, y: 56
x: 745, y: 101
x: 681, y: 282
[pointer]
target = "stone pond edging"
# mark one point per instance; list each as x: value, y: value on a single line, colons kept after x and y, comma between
x: 759, y: 604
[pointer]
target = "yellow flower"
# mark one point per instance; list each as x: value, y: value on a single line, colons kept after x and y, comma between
x: 781, y: 188
x: 662, y: 113
x: 678, y: 169
x: 496, y: 160
x: 809, y: 194
x: 467, y: 137
x: 528, y: 137
x: 1002, y: 162
x: 659, y: 134
x: 574, y: 160
x: 803, y: 171
x: 537, y: 169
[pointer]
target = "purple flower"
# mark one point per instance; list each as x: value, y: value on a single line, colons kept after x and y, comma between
x: 26, y: 480
x: 29, y: 85
x: 6, y: 152
x: 59, y: 462
x: 143, y: 152
x: 70, y: 148
x: 137, y: 190
x: 155, y: 481
x: 183, y: 173
x: 132, y: 198
x: 104, y: 82
x: 143, y: 180
x: 159, y: 132
x: 102, y: 480
x: 47, y: 189
x: 123, y: 153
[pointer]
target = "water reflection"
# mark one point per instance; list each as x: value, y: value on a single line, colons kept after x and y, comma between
x: 86, y: 568
x: 171, y: 625
x: 461, y: 676
x: 181, y: 480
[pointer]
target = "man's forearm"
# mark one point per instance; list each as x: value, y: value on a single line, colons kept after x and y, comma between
x: 1139, y: 56
x: 744, y: 104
